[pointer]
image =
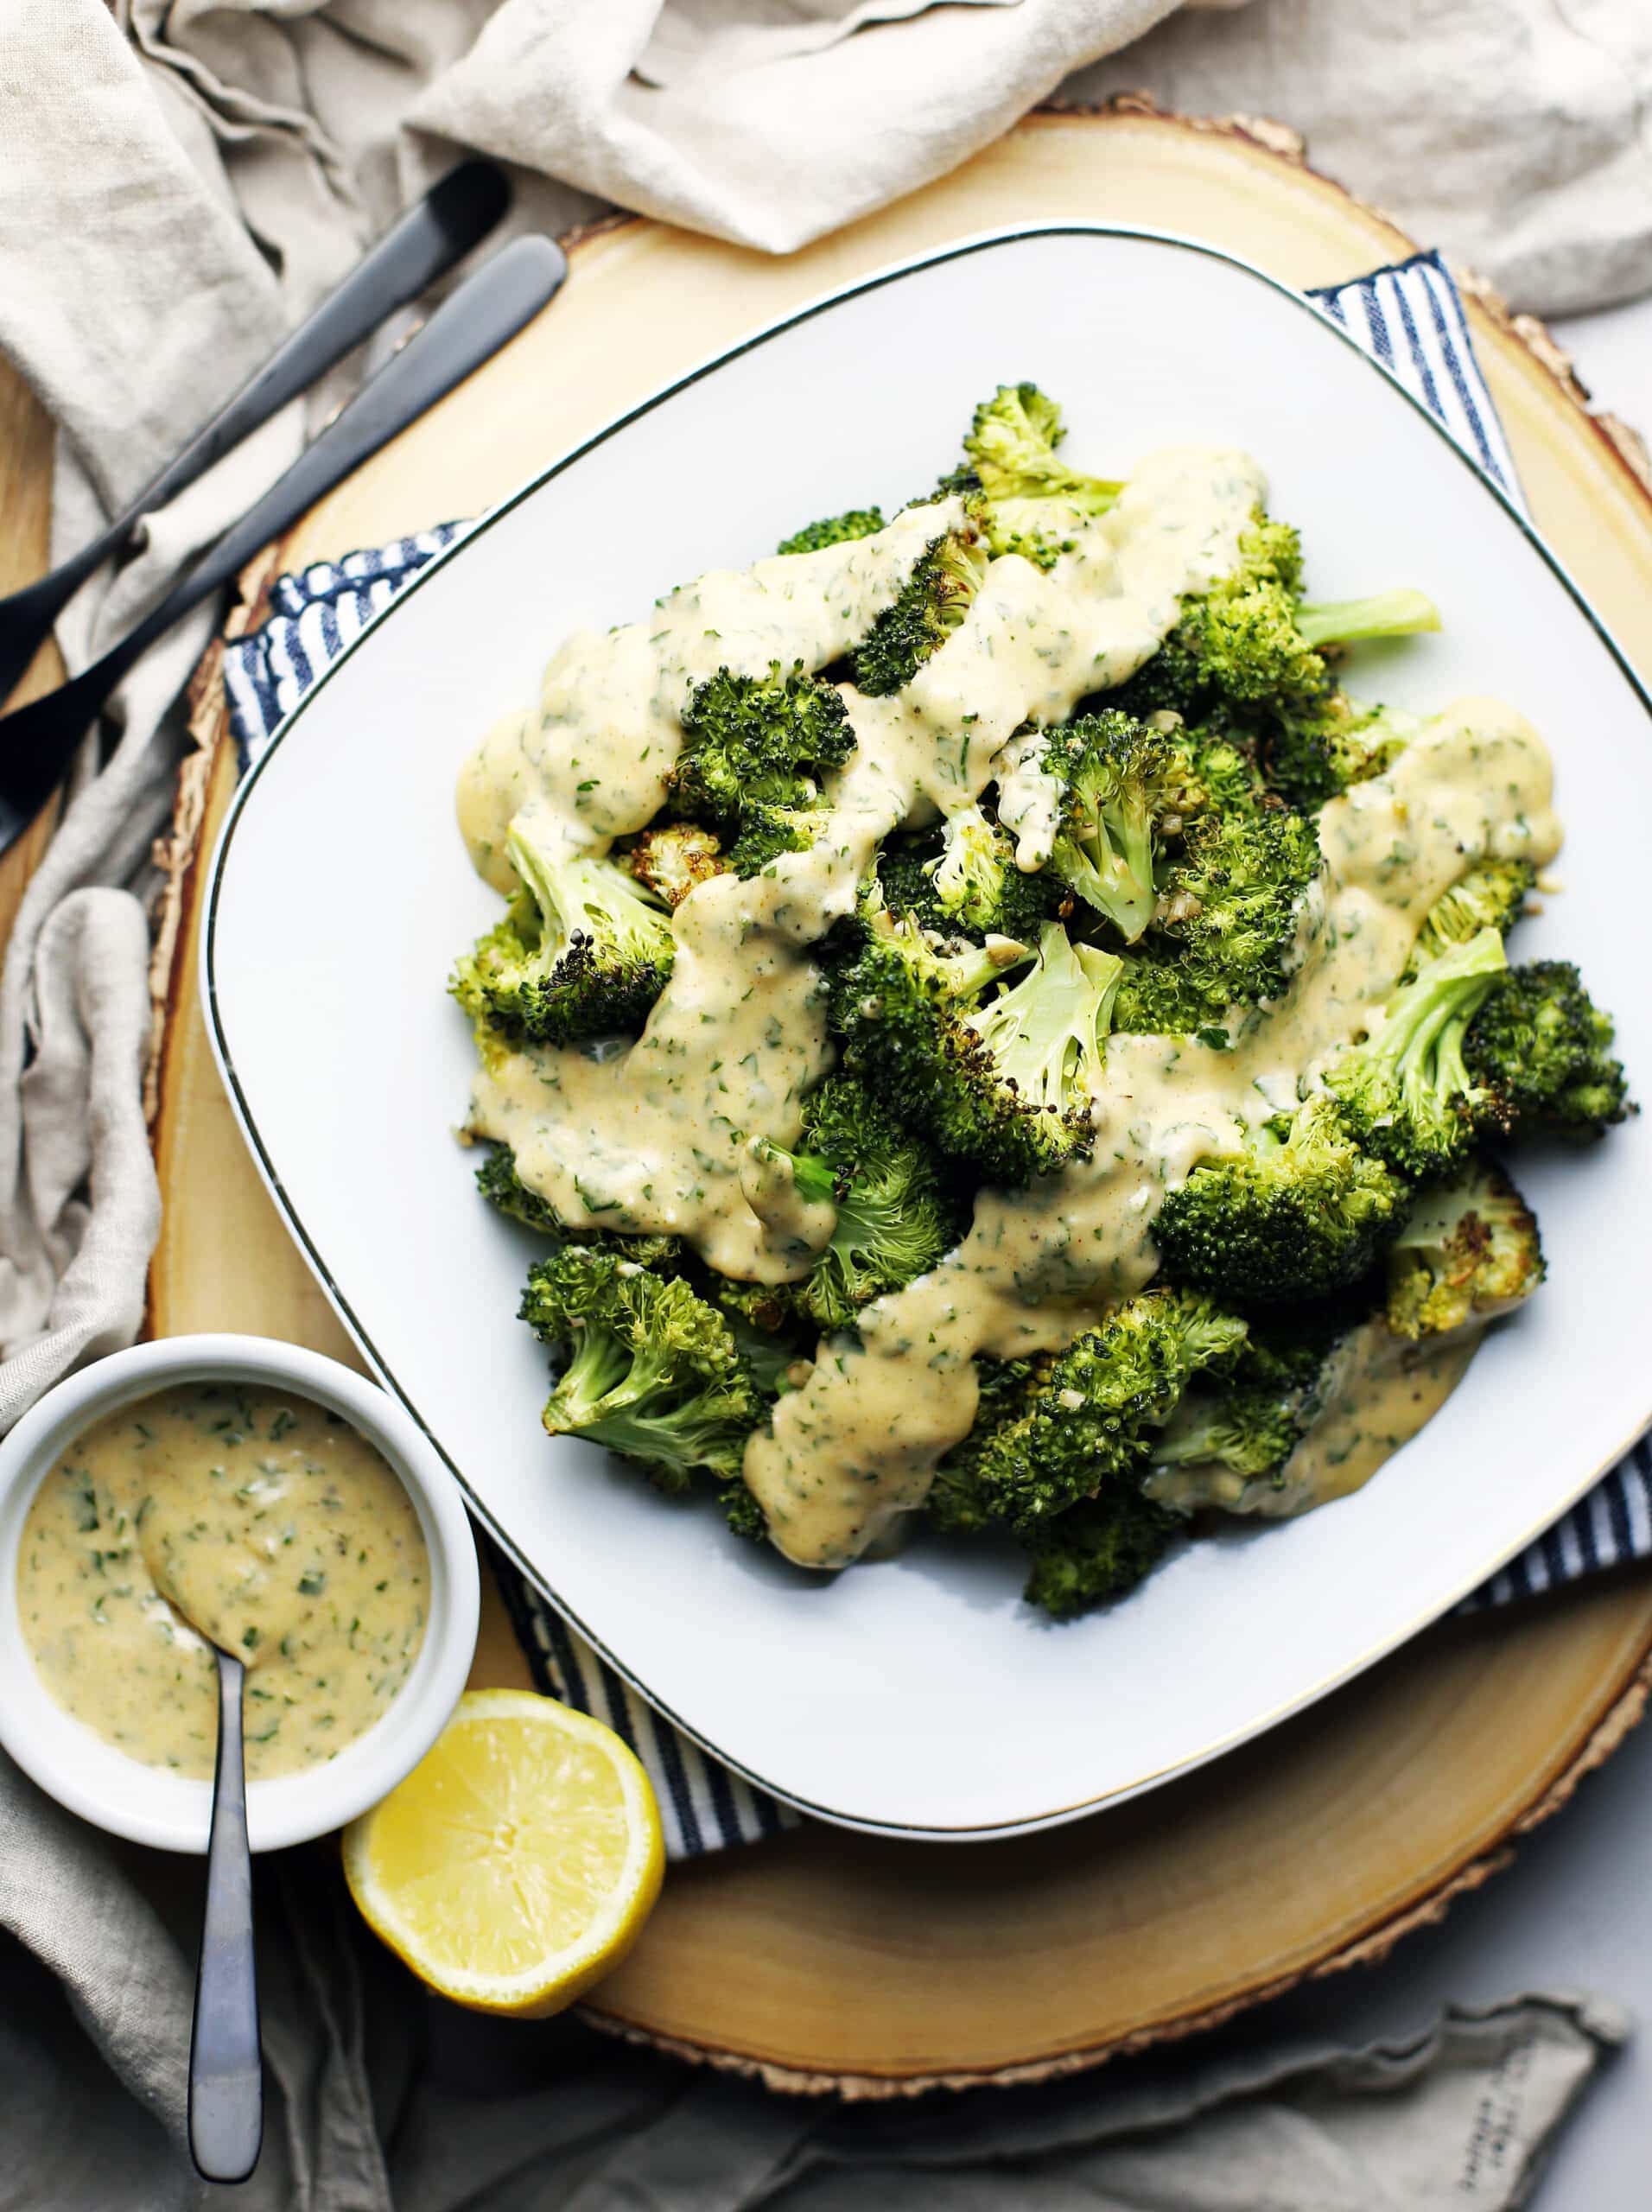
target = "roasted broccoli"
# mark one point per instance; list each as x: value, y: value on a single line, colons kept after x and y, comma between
x: 1406, y: 1092
x: 1469, y: 1252
x: 1085, y: 1425
x: 1139, y: 945
x: 673, y: 859
x: 931, y: 605
x: 1314, y: 751
x: 1492, y: 896
x: 894, y: 1218
x: 1541, y: 1052
x: 1117, y: 782
x: 1282, y: 1218
x: 1004, y: 1081
x: 754, y: 742
x: 1034, y: 502
x: 652, y: 1370
x: 834, y: 530
x: 961, y: 880
x: 1098, y: 1550
x: 584, y: 951
x: 1233, y: 906
x: 1229, y: 1436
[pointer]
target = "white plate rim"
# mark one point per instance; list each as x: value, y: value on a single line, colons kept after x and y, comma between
x: 874, y: 281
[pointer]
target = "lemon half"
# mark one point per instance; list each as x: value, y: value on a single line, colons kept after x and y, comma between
x: 517, y: 1862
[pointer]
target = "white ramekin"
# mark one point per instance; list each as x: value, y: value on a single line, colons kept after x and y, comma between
x: 149, y: 1804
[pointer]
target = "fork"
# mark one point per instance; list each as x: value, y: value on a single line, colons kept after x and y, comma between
x: 454, y: 216
x: 38, y: 741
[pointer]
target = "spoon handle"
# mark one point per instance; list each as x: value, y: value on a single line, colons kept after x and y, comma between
x: 225, y: 2061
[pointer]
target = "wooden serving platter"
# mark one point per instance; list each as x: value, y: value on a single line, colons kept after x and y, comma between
x: 832, y: 1961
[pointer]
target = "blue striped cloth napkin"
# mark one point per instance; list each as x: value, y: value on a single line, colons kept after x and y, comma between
x: 1411, y: 319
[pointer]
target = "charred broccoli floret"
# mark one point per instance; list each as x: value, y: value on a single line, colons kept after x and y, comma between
x: 834, y: 530
x: 673, y: 859
x: 1233, y: 905
x: 961, y: 880
x: 1033, y: 500
x: 1229, y: 1436
x: 653, y: 1371
x: 1492, y: 896
x: 928, y: 609
x: 1086, y: 1424
x: 1314, y: 750
x: 894, y: 1220
x: 1117, y: 779
x: 1098, y: 1550
x: 583, y: 951
x: 1406, y: 1092
x: 1542, y: 1051
x: 1469, y: 1252
x: 756, y: 741
x: 1003, y: 1083
x: 1282, y: 1218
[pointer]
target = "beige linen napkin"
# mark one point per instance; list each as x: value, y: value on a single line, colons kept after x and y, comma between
x: 375, y: 2106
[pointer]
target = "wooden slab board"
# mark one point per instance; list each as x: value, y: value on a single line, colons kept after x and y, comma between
x: 832, y: 1961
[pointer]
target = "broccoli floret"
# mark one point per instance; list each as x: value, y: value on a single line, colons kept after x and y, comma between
x: 758, y: 741
x: 859, y: 522
x: 1232, y: 905
x: 1469, y: 1252
x: 1314, y: 752
x: 673, y: 859
x: 1086, y: 1425
x: 995, y: 897
x: 1492, y: 896
x: 1117, y: 778
x: 1282, y: 1218
x: 742, y: 1512
x: 928, y: 607
x: 911, y: 1027
x: 1247, y: 1432
x: 1098, y: 1550
x: 1235, y: 648
x: 1406, y: 1092
x: 1033, y: 500
x: 1161, y: 997
x: 653, y: 1371
x: 1390, y: 615
x: 955, y: 1503
x: 499, y: 1184
x: 1047, y: 1031
x: 1230, y: 1439
x: 584, y: 951
x: 1204, y: 772
x: 894, y: 1220
x: 1542, y: 1051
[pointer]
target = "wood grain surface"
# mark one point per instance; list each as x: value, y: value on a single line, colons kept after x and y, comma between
x: 828, y: 1960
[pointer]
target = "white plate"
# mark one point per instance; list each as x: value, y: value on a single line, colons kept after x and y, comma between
x: 919, y: 1695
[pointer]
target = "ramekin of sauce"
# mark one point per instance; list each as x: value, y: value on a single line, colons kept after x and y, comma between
x: 239, y: 1491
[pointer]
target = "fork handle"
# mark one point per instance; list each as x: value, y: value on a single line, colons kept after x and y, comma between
x: 454, y: 215
x: 470, y: 327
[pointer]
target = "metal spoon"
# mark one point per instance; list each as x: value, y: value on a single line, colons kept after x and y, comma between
x: 225, y: 2056
x: 454, y: 216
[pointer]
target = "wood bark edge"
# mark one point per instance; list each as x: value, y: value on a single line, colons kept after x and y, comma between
x: 179, y: 856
